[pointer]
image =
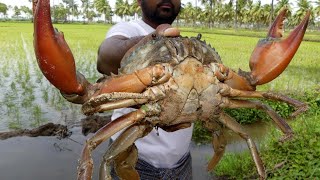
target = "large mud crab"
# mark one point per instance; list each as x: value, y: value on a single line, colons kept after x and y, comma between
x: 173, y: 82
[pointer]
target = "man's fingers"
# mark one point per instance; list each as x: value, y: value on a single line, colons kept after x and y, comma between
x: 167, y: 30
x: 172, y: 32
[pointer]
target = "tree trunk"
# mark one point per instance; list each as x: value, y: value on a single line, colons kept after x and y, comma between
x: 271, y: 14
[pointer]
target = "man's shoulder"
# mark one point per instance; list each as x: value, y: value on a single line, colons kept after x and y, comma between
x: 128, y: 29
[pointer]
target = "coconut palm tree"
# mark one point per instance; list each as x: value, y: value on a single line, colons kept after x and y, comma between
x: 317, y: 8
x: 209, y: 3
x: 271, y: 13
x: 103, y: 6
x: 283, y: 4
x: 239, y: 12
x: 227, y: 13
x: 72, y: 7
x: 189, y: 14
x: 122, y: 8
x: 135, y: 9
x: 303, y: 7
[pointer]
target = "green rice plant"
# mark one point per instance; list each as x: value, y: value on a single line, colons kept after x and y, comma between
x: 27, y: 101
x: 15, y: 117
x: 45, y: 95
x: 5, y: 70
x: 36, y: 117
x: 13, y: 86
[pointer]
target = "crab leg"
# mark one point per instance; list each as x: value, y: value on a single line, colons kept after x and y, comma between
x: 123, y: 152
x: 219, y: 146
x: 280, y: 122
x: 86, y: 165
x: 237, y: 128
x: 115, y: 100
x: 270, y: 57
x: 230, y: 92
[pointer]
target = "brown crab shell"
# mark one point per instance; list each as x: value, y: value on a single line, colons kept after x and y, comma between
x: 172, y: 50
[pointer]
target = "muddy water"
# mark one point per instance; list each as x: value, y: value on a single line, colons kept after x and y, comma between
x: 51, y: 159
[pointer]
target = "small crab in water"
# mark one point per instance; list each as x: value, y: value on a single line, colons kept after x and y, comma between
x: 173, y: 82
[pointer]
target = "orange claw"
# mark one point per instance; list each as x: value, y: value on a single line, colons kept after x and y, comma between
x: 272, y: 55
x: 53, y: 53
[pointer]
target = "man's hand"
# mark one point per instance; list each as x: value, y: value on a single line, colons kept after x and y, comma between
x: 167, y: 30
x: 113, y: 49
x: 162, y: 30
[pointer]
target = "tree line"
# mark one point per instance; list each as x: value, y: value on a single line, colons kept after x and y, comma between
x: 207, y: 13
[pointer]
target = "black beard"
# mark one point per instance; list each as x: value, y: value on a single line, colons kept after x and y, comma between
x: 156, y: 16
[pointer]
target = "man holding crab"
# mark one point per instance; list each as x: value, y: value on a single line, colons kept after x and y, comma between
x: 162, y: 154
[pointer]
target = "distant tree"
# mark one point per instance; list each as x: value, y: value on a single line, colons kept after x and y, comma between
x: 283, y: 4
x: 26, y: 10
x: 271, y: 13
x: 317, y: 8
x: 135, y: 9
x: 103, y: 6
x: 59, y: 13
x: 188, y: 14
x: 122, y: 8
x: 227, y: 13
x: 303, y: 7
x: 239, y: 12
x: 3, y: 9
x: 72, y: 7
x: 85, y: 8
x: 17, y: 11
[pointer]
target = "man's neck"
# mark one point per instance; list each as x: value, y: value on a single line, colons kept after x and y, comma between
x: 150, y: 23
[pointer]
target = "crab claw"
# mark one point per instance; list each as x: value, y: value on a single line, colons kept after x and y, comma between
x: 272, y: 55
x: 53, y: 54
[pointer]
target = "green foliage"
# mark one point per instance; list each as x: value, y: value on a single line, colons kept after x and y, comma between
x: 246, y: 116
x: 3, y: 8
x: 231, y: 164
x: 200, y: 134
x: 300, y: 156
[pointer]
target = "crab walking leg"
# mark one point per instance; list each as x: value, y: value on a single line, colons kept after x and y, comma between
x: 229, y: 92
x: 123, y: 153
x: 300, y: 106
x: 125, y: 164
x: 230, y: 123
x: 219, y: 146
x: 280, y: 122
x: 115, y: 100
x: 86, y: 165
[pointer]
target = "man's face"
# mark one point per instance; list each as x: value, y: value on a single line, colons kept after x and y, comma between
x: 161, y: 11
